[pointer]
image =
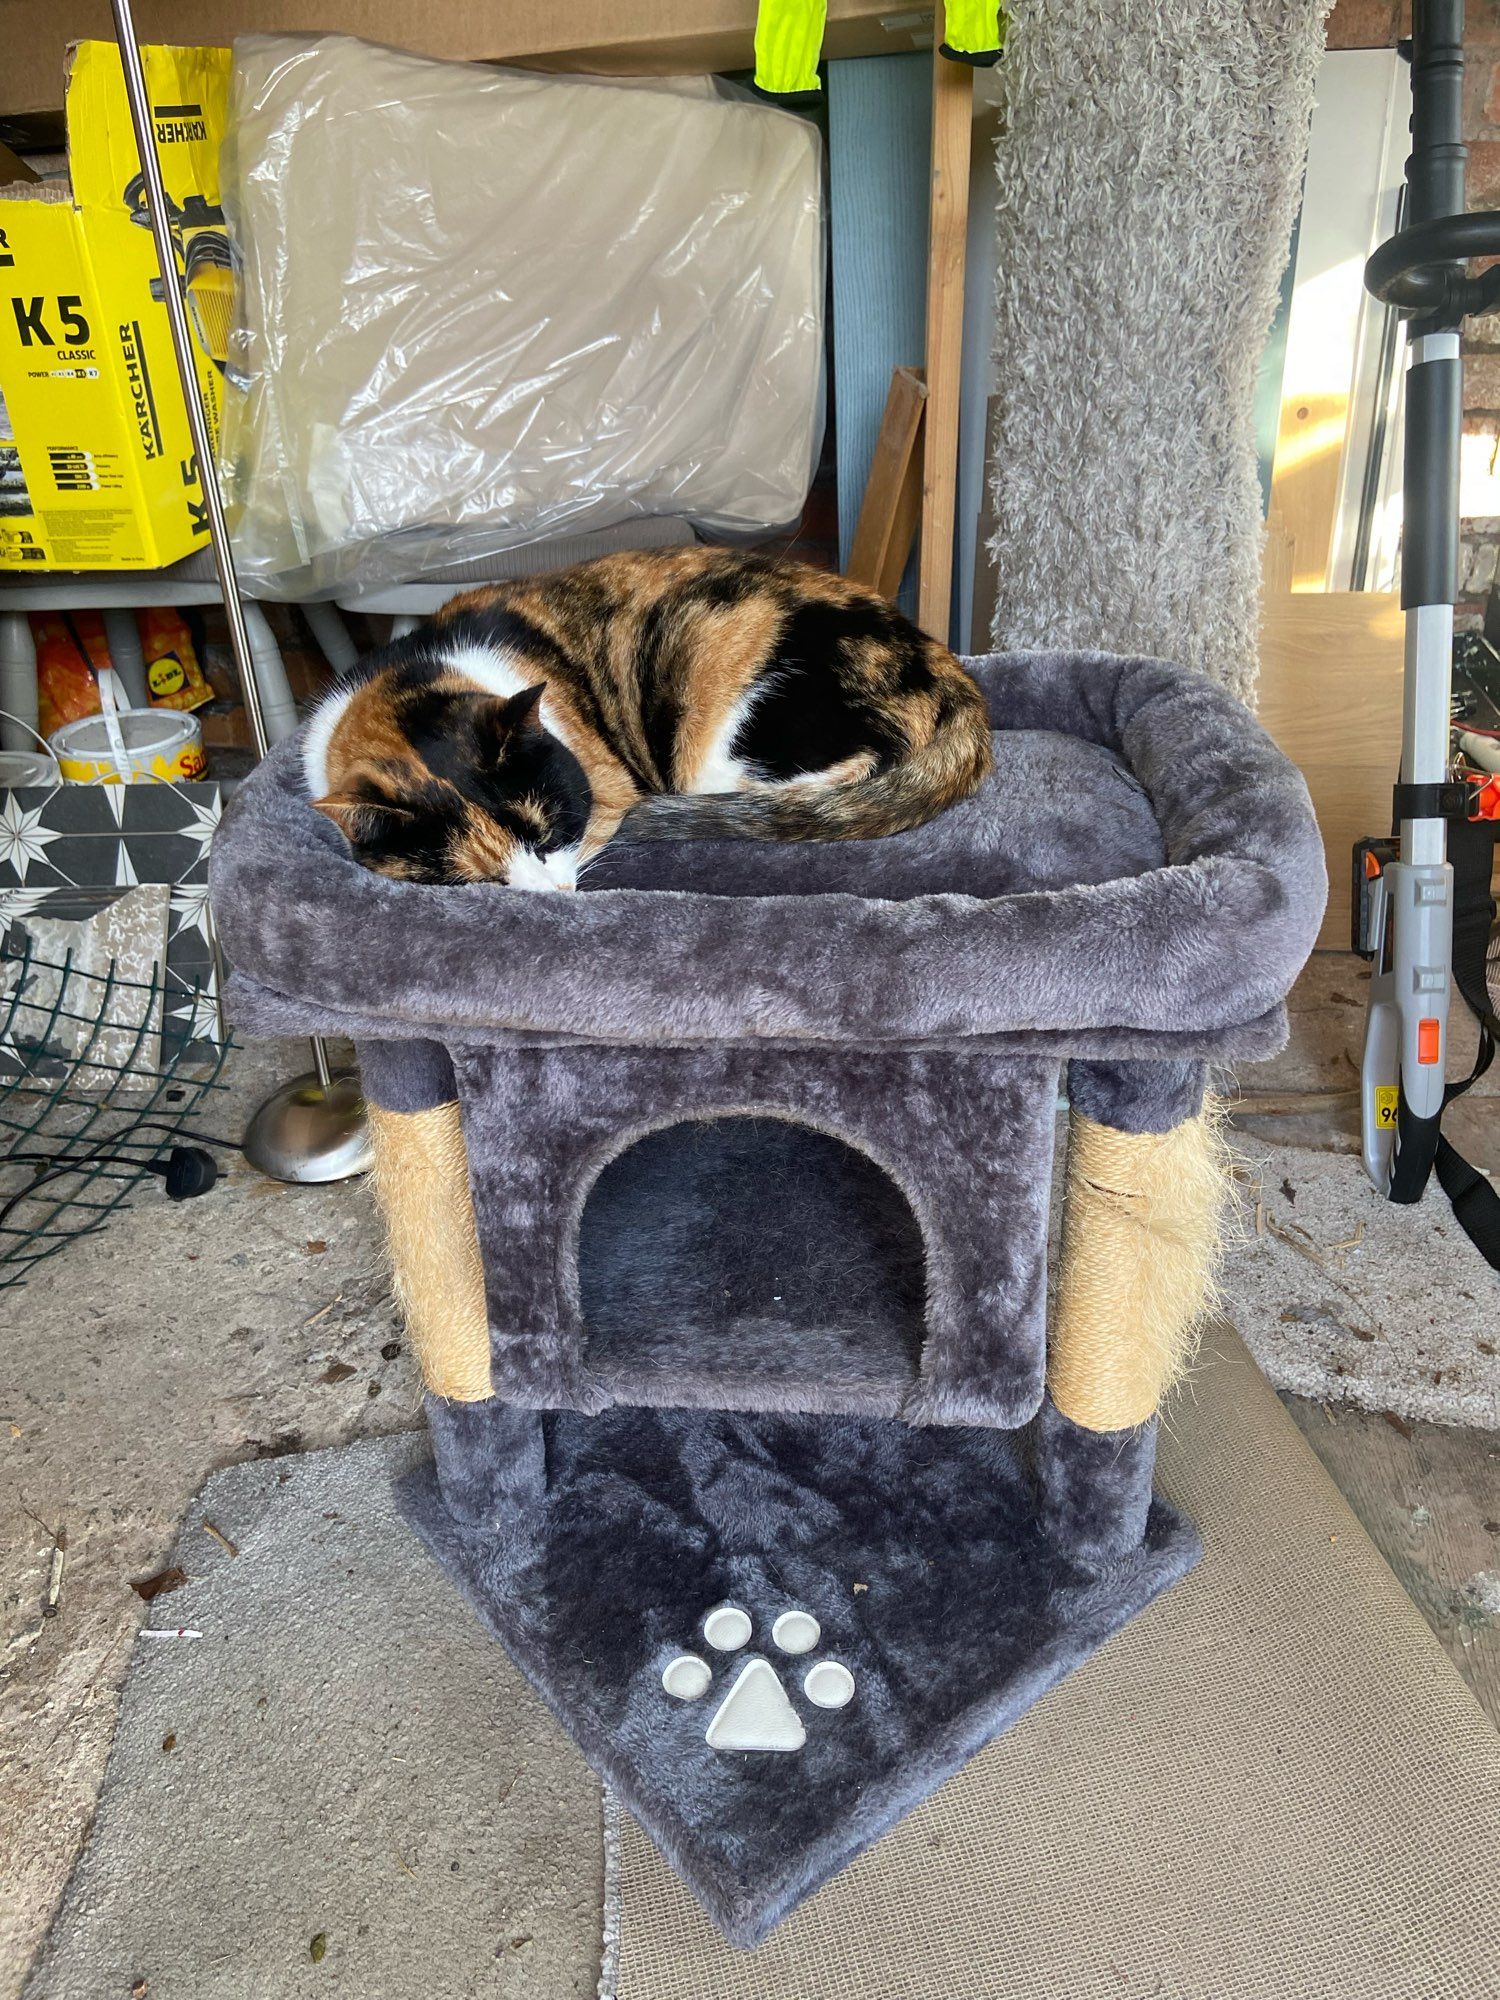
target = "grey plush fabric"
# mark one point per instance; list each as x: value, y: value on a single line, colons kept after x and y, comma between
x: 1093, y: 1487
x: 919, y: 1552
x: 490, y: 1459
x: 967, y: 1141
x: 750, y: 1262
x: 1137, y: 1096
x: 256, y: 1010
x: 771, y: 1129
x: 406, y: 1075
x: 864, y: 952
x: 1150, y: 166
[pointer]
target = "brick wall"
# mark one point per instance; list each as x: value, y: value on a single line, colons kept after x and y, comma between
x: 1373, y: 24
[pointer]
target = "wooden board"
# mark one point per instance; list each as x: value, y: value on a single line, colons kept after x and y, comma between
x: 650, y: 37
x: 1429, y: 1498
x: 1305, y: 484
x: 892, y: 504
x: 879, y: 150
x: 952, y: 131
x: 1330, y: 695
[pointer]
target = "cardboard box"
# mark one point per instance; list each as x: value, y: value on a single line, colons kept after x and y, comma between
x: 96, y: 461
x: 648, y: 37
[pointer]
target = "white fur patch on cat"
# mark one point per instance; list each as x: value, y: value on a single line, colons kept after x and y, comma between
x: 324, y: 720
x: 489, y: 667
x: 497, y: 671
x: 721, y: 770
x: 558, y: 870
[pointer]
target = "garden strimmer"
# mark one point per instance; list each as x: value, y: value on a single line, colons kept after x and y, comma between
x: 1423, y: 910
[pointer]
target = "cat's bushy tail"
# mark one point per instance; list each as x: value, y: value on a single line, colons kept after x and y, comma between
x: 953, y: 763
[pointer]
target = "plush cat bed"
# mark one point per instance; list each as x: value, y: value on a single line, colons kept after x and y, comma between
x: 769, y: 1129
x: 1039, y: 909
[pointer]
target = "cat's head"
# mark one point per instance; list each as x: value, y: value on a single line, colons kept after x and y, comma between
x: 439, y: 781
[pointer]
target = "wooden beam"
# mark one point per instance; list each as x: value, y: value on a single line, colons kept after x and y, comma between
x: 1330, y: 695
x: 948, y: 213
x: 626, y: 37
x: 892, y: 502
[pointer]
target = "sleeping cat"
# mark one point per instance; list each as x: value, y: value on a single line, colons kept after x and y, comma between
x: 505, y: 739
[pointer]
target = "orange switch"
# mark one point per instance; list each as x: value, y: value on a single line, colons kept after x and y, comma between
x: 1429, y: 1042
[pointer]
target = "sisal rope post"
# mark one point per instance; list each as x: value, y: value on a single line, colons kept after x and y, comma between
x: 422, y: 1187
x: 1141, y: 1225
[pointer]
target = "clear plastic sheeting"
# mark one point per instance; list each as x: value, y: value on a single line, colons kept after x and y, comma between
x: 484, y: 308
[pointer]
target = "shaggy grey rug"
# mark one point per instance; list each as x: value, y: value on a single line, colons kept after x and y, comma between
x: 1348, y: 1298
x: 1145, y: 210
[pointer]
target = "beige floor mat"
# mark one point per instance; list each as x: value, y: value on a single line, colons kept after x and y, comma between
x: 1272, y: 1786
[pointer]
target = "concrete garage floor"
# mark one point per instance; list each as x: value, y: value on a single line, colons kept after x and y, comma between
x: 259, y: 1322
x: 253, y: 1322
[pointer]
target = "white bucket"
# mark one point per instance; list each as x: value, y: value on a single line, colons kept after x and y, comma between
x: 147, y: 745
x: 25, y: 767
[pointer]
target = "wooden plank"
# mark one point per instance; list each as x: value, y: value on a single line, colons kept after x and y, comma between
x: 1305, y: 484
x: 1429, y: 1499
x: 879, y: 151
x: 1276, y: 557
x: 1330, y: 695
x: 892, y: 504
x: 646, y: 37
x: 948, y: 218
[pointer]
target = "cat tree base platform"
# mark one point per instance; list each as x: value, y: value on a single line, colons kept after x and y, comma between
x: 918, y: 1553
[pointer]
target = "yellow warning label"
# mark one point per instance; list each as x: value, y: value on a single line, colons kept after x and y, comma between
x: 1387, y: 1097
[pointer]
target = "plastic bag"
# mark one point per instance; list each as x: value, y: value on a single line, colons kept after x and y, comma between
x: 482, y: 308
x: 173, y: 675
x: 71, y: 647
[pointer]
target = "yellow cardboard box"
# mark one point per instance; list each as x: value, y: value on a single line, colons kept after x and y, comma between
x: 96, y: 461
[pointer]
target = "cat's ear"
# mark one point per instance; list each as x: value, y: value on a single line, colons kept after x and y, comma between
x: 499, y: 719
x: 520, y: 712
x: 360, y: 821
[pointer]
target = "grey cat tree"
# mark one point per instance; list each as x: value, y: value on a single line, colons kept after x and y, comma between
x: 718, y: 1198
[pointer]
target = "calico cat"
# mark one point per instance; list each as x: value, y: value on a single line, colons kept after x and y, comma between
x: 505, y: 739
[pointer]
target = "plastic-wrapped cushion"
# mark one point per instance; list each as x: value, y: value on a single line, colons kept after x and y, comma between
x: 1076, y: 931
x: 480, y: 308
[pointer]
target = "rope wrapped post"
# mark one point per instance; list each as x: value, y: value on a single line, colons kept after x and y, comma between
x: 422, y: 1185
x: 1141, y: 1227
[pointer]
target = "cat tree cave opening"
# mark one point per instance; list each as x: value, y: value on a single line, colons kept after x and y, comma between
x: 750, y: 1263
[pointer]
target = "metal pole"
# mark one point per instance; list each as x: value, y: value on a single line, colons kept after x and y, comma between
x: 187, y: 367
x: 1406, y: 1029
x: 313, y: 1129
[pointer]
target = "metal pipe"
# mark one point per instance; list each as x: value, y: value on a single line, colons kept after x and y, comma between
x: 1408, y: 1029
x: 321, y: 1147
x: 187, y: 366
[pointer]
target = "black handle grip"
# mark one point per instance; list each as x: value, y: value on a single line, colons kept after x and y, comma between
x: 1420, y: 269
